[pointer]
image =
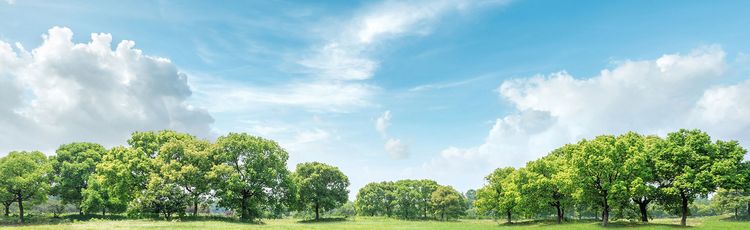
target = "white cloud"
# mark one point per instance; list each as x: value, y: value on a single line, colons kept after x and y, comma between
x: 63, y: 91
x: 396, y: 149
x: 651, y: 97
x: 382, y: 123
x: 346, y: 55
x: 10, y: 2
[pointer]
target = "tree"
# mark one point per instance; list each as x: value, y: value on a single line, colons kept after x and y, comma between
x: 321, y: 186
x: 685, y: 167
x: 71, y: 168
x: 250, y: 174
x: 162, y: 196
x: 500, y: 195
x: 599, y: 166
x: 98, y: 198
x: 729, y: 200
x: 406, y: 198
x: 186, y: 162
x: 26, y: 176
x: 642, y: 172
x: 447, y: 202
x: 122, y: 173
x: 547, y: 182
x: 370, y: 199
x: 425, y: 189
x: 470, y: 195
x: 6, y: 198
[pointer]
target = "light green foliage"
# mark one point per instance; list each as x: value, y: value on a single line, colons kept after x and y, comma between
x: 99, y: 197
x: 186, y: 162
x: 26, y: 176
x: 321, y: 187
x: 250, y: 175
x: 447, y: 203
x: 376, y: 199
x: 500, y: 196
x: 71, y: 167
x: 412, y: 198
x: 729, y: 200
x: 548, y: 183
x: 685, y: 167
x: 121, y: 174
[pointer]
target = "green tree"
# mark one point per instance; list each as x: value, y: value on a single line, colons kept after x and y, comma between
x: 599, y: 166
x: 729, y: 200
x: 688, y: 166
x: 250, y: 174
x: 447, y: 202
x: 25, y: 175
x: 321, y: 187
x: 406, y: 197
x: 548, y: 182
x: 123, y: 172
x: 71, y: 168
x: 370, y: 199
x: 186, y: 162
x: 6, y: 198
x: 97, y: 197
x: 162, y: 196
x: 500, y: 195
x: 642, y: 184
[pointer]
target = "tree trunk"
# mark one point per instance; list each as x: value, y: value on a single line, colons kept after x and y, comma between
x: 7, y: 208
x: 605, y: 213
x: 104, y: 212
x: 559, y: 214
x: 317, y: 211
x: 683, y: 221
x: 195, y: 207
x: 509, y: 216
x: 20, y: 207
x: 643, y: 206
x: 243, y: 207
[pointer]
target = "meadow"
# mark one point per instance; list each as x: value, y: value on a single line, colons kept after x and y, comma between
x: 713, y: 222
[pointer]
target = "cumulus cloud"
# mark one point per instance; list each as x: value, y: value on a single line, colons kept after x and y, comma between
x: 63, y: 91
x: 650, y: 96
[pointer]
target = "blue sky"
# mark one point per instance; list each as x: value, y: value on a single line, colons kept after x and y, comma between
x: 445, y: 90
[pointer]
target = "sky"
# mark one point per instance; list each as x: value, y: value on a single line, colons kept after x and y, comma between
x: 385, y: 90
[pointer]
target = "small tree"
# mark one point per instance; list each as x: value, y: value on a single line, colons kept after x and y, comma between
x: 500, y: 195
x: 321, y: 187
x: 26, y: 177
x: 447, y: 202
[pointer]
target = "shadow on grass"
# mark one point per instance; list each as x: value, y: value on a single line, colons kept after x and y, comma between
x: 735, y: 219
x: 323, y: 220
x: 613, y: 224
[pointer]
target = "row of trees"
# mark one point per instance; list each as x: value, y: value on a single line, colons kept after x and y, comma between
x: 167, y: 173
x: 410, y: 199
x: 620, y: 175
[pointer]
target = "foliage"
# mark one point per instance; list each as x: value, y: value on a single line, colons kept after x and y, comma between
x: 25, y: 175
x: 448, y: 203
x: 321, y: 187
x: 500, y: 196
x: 250, y: 175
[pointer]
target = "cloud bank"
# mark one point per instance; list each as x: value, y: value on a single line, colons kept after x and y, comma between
x: 63, y: 91
x: 650, y: 96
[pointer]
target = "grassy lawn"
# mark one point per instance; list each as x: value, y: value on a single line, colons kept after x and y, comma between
x: 379, y: 223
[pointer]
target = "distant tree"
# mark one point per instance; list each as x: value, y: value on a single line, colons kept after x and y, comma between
x: 407, y: 197
x: 425, y: 189
x: 500, y: 195
x: 321, y: 187
x: 250, y: 174
x: 729, y: 200
x: 71, y: 167
x: 470, y: 195
x: 447, y: 202
x: 6, y: 198
x: 25, y: 175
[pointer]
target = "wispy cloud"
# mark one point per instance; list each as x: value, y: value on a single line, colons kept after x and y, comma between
x: 446, y: 85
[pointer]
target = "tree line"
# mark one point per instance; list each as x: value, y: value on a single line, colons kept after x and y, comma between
x: 621, y: 177
x: 167, y: 173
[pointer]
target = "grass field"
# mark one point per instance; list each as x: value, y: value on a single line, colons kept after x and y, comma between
x: 381, y: 223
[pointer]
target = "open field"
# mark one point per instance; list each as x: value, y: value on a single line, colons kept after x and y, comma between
x: 382, y: 223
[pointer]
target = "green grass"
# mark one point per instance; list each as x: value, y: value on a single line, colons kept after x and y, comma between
x: 379, y: 223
